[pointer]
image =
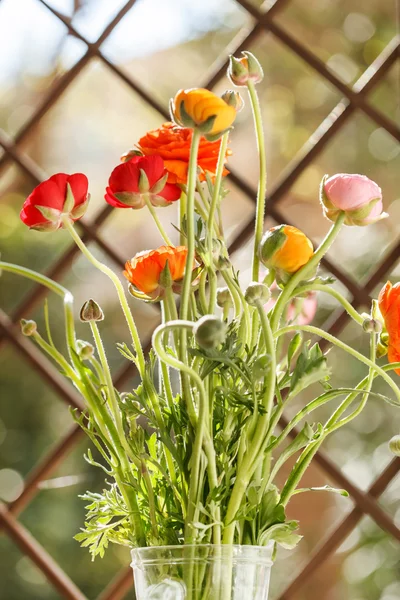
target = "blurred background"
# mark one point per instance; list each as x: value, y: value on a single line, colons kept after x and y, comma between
x: 69, y: 109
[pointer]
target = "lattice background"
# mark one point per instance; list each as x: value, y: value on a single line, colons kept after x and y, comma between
x: 265, y: 28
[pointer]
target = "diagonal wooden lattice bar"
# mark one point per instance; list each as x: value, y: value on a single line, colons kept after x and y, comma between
x: 354, y: 99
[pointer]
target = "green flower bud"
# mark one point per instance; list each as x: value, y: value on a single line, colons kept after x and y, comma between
x: 394, y: 445
x: 91, y: 311
x: 224, y: 297
x: 233, y: 99
x: 28, y: 328
x: 85, y: 349
x: 257, y: 292
x: 372, y: 325
x: 210, y: 331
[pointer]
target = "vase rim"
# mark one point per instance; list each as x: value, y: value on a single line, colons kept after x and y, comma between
x: 148, y: 554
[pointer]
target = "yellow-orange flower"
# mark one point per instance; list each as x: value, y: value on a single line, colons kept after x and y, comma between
x: 144, y: 271
x: 389, y: 305
x: 172, y: 143
x: 202, y: 109
x: 286, y: 248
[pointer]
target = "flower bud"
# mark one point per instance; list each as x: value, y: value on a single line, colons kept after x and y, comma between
x: 28, y: 328
x: 285, y: 248
x: 355, y: 195
x: 233, y: 99
x: 85, y: 349
x: 257, y: 293
x: 372, y: 326
x: 203, y: 110
x: 242, y: 70
x: 210, y: 331
x: 91, y: 311
x: 394, y: 445
x: 224, y: 297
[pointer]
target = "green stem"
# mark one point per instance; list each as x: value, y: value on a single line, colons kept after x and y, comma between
x: 173, y: 362
x: 319, y: 287
x: 158, y: 223
x: 190, y: 226
x: 262, y: 182
x: 119, y: 288
x: 58, y: 289
x: 212, y: 276
x: 333, y: 340
x: 305, y: 271
x: 362, y: 404
x: 253, y: 455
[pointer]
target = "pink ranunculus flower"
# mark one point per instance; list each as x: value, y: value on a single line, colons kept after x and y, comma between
x: 359, y: 197
x: 301, y: 311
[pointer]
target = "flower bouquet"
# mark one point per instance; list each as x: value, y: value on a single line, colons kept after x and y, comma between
x: 192, y: 454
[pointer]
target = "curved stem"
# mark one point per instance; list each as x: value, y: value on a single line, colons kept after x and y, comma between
x: 333, y: 340
x: 319, y: 287
x: 58, y: 289
x: 118, y: 286
x: 158, y: 223
x: 305, y: 271
x: 262, y: 182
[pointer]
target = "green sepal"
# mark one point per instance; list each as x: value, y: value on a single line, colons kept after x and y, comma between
x: 51, y: 214
x: 131, y: 199
x: 213, y: 137
x: 207, y: 125
x: 166, y: 280
x: 45, y: 227
x: 69, y: 202
x: 186, y: 120
x: 255, y: 70
x: 80, y: 209
x: 159, y: 185
x: 143, y: 183
x: 271, y: 242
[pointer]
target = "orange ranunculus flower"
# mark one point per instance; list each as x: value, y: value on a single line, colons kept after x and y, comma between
x: 144, y: 271
x: 389, y: 305
x: 172, y: 143
x: 285, y: 248
x: 199, y: 107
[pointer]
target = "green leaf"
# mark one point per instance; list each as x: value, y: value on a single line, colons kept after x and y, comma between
x: 311, y: 367
x: 283, y: 534
x: 294, y: 346
x: 324, y: 488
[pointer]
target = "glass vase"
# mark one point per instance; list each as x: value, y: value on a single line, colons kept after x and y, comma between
x: 202, y: 572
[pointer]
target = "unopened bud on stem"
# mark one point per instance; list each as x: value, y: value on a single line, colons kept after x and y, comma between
x: 28, y: 328
x: 372, y: 325
x: 85, y: 349
x: 91, y: 311
x: 209, y: 331
x: 257, y: 292
x: 394, y: 445
x: 224, y: 297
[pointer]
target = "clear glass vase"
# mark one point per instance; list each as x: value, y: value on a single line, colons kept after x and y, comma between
x: 202, y: 572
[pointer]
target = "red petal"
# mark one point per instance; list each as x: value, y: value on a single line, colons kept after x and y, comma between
x: 50, y: 192
x: 170, y: 192
x: 153, y: 167
x: 79, y: 185
x: 112, y: 200
x: 125, y: 177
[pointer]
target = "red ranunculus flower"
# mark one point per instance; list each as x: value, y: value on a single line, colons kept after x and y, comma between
x: 61, y: 194
x: 138, y: 179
